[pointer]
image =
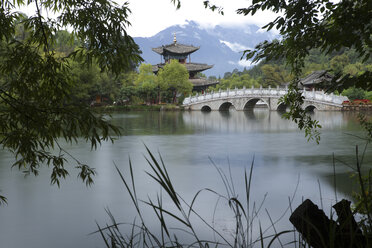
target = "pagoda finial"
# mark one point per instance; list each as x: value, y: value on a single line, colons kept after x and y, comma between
x: 174, y: 37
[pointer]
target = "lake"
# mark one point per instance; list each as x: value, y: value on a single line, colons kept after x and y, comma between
x: 286, y: 166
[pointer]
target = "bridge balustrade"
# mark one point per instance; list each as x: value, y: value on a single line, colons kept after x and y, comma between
x: 318, y: 96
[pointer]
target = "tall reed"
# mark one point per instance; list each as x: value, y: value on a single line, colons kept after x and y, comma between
x: 245, y: 215
x: 245, y: 212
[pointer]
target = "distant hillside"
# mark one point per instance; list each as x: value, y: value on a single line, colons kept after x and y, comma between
x: 220, y: 46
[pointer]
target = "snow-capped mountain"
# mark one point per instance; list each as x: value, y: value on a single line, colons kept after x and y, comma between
x: 219, y: 46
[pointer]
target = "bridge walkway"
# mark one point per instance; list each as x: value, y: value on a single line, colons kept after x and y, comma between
x: 246, y: 98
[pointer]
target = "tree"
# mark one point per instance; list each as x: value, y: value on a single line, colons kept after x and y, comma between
x: 176, y: 76
x: 128, y: 92
x: 146, y: 80
x: 236, y: 72
x: 227, y: 75
x: 354, y: 69
x: 201, y: 75
x: 35, y: 81
x: 317, y: 24
x: 338, y: 63
x: 354, y: 93
x: 212, y: 78
x: 236, y: 81
x: 273, y: 75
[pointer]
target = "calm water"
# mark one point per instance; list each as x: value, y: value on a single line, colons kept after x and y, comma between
x: 40, y: 215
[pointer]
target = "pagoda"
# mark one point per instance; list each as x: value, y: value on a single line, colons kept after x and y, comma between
x: 182, y: 53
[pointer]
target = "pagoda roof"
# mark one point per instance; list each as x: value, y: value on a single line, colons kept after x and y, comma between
x: 202, y: 82
x: 175, y: 48
x: 193, y: 67
x: 316, y: 77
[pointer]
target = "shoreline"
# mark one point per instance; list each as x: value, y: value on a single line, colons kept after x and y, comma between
x: 165, y: 107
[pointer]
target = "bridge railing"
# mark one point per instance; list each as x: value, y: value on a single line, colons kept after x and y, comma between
x: 320, y: 96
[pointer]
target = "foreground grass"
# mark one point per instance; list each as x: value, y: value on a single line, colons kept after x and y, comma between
x: 245, y: 212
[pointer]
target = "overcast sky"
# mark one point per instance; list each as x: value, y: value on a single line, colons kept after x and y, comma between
x: 151, y: 16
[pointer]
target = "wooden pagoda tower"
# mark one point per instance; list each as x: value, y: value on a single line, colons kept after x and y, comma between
x: 182, y: 53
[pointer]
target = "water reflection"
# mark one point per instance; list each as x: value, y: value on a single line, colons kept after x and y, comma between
x: 186, y: 140
x: 259, y: 119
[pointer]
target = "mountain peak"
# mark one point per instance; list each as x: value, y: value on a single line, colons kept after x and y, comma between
x: 219, y: 45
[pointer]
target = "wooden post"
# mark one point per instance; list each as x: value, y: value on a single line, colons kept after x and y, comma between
x: 321, y: 232
x: 313, y: 224
x: 349, y: 232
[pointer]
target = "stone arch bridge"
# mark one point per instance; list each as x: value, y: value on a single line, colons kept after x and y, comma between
x: 245, y: 99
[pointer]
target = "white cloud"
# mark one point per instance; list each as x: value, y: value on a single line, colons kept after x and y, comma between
x: 180, y: 33
x: 236, y: 47
x: 149, y: 17
x: 245, y: 63
x: 260, y: 31
x: 242, y: 63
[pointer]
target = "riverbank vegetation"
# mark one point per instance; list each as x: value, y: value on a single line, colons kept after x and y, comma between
x: 138, y: 85
x: 275, y: 72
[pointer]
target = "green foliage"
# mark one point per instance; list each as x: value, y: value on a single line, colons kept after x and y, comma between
x: 212, y: 78
x: 275, y: 72
x: 87, y: 82
x: 39, y: 78
x: 321, y: 24
x: 171, y: 84
x: 368, y: 95
x: 338, y: 63
x: 145, y: 75
x: 354, y: 93
x: 294, y: 100
x: 126, y: 93
x: 200, y: 75
x: 306, y: 25
x: 146, y: 81
x: 65, y: 42
x: 176, y: 77
x: 273, y: 75
x: 236, y: 81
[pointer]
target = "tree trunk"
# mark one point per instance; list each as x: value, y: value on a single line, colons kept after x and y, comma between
x: 174, y: 96
x: 159, y: 97
x: 321, y: 232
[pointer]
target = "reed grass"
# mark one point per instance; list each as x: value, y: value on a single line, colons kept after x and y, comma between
x: 245, y: 212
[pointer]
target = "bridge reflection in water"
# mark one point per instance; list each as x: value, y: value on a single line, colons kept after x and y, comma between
x: 257, y: 119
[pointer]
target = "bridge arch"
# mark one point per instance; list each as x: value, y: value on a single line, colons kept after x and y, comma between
x: 250, y: 104
x: 310, y: 108
x: 206, y: 108
x: 225, y: 106
x: 282, y: 107
x: 245, y: 98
